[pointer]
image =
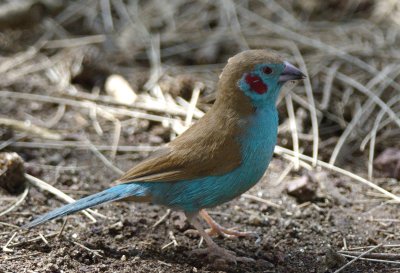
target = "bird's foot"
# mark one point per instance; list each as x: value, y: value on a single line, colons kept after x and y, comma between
x: 229, y: 233
x: 220, y: 255
x: 225, y: 232
x: 217, y: 229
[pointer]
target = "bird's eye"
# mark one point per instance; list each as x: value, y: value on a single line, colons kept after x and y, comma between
x: 267, y: 70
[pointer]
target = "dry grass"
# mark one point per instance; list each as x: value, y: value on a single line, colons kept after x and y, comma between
x: 348, y: 103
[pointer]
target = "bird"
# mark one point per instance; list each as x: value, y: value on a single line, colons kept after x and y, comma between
x: 218, y: 158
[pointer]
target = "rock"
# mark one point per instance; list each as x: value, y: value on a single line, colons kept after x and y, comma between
x: 303, y: 189
x: 255, y: 220
x: 12, y: 173
x: 117, y: 87
x: 179, y: 221
x: 389, y: 162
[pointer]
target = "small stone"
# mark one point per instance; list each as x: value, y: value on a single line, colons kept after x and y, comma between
x: 119, y: 237
x: 55, y: 159
x: 179, y: 221
x: 119, y: 88
x: 389, y: 162
x: 123, y: 258
x: 156, y: 139
x: 303, y: 189
x: 255, y: 220
x: 12, y: 173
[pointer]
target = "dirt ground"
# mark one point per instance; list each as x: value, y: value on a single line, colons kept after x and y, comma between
x: 56, y: 83
x: 293, y: 238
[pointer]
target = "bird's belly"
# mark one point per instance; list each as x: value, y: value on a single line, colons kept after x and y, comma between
x: 257, y: 147
x: 211, y: 191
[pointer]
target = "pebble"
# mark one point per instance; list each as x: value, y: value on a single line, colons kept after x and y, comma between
x: 303, y: 189
x: 12, y: 172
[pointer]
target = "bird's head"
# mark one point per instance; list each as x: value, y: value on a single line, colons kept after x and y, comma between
x: 256, y: 74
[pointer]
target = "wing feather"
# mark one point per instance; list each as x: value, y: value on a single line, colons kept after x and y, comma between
x: 209, y: 147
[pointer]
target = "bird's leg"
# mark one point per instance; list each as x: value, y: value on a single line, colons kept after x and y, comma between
x: 213, y: 251
x: 216, y: 228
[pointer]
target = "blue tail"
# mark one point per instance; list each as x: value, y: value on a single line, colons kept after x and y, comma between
x: 111, y: 194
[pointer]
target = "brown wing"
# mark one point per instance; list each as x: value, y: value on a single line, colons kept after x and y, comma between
x: 207, y: 148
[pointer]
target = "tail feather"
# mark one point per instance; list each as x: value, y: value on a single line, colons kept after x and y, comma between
x: 111, y: 194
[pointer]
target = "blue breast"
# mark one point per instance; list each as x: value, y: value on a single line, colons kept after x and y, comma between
x: 257, y: 146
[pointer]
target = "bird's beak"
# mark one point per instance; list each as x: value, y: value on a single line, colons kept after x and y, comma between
x: 291, y: 73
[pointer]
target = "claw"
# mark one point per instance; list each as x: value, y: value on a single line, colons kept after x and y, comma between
x: 215, y: 253
x: 217, y: 229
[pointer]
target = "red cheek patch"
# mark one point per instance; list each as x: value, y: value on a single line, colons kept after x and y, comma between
x: 256, y: 84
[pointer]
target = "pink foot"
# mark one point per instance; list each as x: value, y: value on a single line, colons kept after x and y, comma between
x: 217, y: 229
x: 216, y: 254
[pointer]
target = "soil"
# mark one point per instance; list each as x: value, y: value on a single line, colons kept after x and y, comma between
x: 293, y: 237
